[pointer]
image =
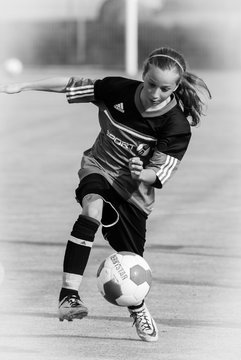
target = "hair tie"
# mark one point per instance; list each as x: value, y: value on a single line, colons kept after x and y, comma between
x: 170, y: 57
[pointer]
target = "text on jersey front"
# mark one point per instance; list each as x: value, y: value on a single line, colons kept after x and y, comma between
x: 119, y: 142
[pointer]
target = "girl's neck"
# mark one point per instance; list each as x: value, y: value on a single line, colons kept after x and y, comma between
x: 159, y: 106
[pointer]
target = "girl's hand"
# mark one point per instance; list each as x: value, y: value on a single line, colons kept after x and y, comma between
x: 136, y: 167
x: 10, y: 88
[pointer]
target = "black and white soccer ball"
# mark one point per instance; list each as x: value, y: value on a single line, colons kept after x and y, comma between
x: 124, y: 278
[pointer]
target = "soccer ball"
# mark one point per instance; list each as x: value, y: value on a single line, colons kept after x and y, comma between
x: 124, y: 278
x: 13, y: 66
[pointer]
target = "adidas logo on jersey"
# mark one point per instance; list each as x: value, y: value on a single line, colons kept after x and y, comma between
x: 119, y: 107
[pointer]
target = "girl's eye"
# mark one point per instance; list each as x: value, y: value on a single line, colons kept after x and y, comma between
x: 164, y: 89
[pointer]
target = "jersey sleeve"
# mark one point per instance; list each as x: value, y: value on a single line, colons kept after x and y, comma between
x: 105, y: 89
x: 80, y: 90
x: 167, y: 157
x: 112, y: 88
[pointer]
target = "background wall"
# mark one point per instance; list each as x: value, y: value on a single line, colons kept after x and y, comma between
x: 62, y: 32
x: 31, y: 10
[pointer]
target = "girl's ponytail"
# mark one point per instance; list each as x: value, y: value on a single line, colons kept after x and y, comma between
x: 188, y: 91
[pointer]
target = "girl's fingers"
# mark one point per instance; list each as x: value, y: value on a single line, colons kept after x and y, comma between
x: 135, y: 161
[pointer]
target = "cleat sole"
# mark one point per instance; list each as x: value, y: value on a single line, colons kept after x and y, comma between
x: 72, y: 316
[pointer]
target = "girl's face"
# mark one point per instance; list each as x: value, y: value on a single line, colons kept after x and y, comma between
x: 158, y: 86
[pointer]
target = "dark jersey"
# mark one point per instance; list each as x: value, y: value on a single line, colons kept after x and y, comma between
x: 160, y: 138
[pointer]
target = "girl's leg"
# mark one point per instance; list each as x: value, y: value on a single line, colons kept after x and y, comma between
x: 129, y: 235
x: 80, y: 243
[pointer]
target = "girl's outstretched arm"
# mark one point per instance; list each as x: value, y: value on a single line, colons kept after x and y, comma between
x: 57, y: 84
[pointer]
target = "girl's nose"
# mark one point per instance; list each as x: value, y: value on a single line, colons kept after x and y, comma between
x: 156, y: 93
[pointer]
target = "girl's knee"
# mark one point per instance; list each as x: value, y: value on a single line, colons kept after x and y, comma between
x: 92, y: 206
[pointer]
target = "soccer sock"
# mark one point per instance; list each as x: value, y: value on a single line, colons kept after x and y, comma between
x: 66, y: 292
x: 77, y: 254
x: 136, y: 307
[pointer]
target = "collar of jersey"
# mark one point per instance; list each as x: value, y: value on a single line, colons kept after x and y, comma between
x: 155, y: 113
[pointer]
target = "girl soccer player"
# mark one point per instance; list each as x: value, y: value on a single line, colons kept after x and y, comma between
x: 145, y: 132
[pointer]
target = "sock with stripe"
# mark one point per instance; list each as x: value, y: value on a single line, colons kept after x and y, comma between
x: 77, y: 254
x: 136, y: 307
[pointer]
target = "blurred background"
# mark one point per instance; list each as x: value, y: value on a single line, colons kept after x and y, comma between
x: 195, y: 253
x: 84, y: 32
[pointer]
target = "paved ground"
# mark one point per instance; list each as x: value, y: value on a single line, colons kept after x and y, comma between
x: 193, y: 240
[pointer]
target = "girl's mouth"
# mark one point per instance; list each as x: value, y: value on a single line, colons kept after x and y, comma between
x: 155, y: 101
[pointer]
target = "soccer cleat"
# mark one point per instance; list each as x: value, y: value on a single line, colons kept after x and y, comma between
x: 71, y: 307
x: 145, y: 325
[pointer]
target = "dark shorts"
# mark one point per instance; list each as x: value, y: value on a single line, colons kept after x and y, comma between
x: 123, y: 224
